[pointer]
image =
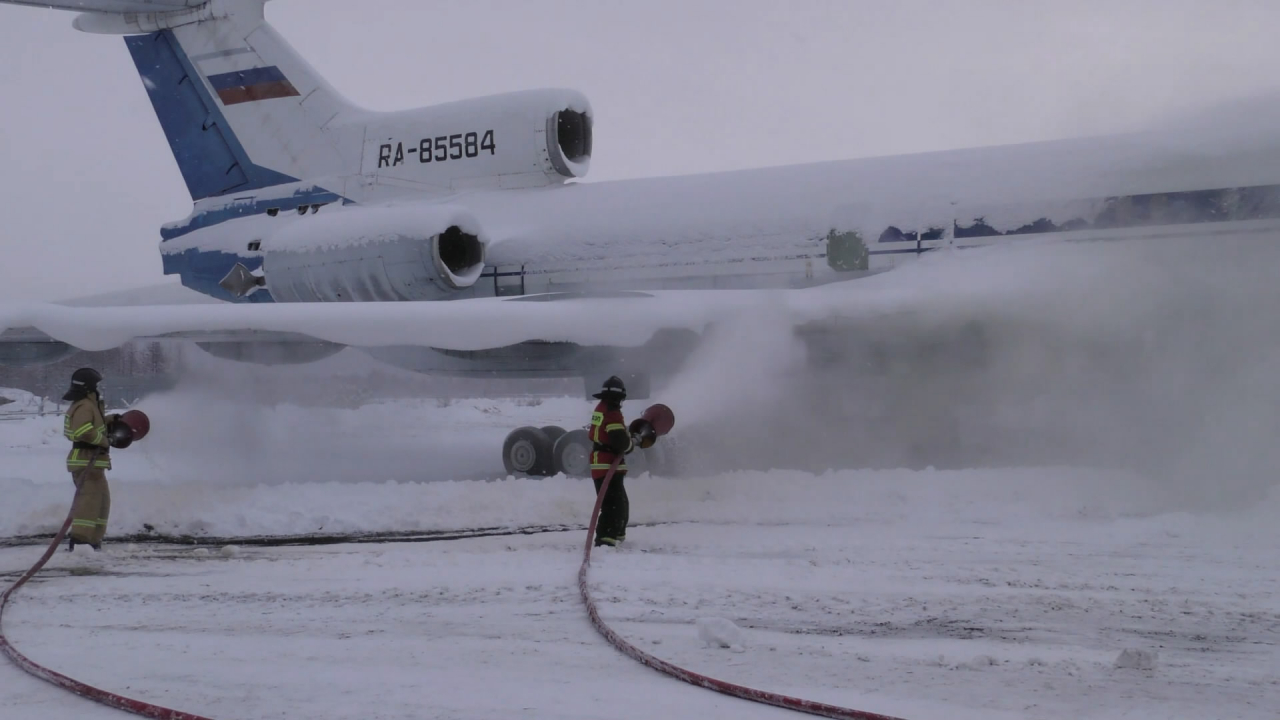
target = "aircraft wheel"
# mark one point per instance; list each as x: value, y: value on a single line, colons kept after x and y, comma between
x: 527, y: 450
x: 554, y: 432
x: 572, y: 454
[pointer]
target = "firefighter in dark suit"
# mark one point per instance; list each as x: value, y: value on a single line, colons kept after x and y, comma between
x: 610, y: 441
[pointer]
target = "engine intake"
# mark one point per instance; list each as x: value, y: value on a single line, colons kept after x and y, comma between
x: 569, y: 142
x: 361, y: 255
x: 458, y: 256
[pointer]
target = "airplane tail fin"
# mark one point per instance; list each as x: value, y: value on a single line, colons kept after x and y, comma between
x: 241, y: 109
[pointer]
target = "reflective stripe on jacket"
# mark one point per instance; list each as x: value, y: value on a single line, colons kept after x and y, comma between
x: 85, y: 423
x: 610, y: 430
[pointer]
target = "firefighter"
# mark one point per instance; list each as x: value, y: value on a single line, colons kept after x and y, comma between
x: 86, y: 426
x: 610, y: 441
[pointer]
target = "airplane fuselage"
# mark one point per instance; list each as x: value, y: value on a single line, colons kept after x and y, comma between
x: 300, y: 196
x: 784, y: 227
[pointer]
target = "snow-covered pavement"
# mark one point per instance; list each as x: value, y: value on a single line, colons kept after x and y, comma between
x: 969, y: 594
x: 232, y: 445
x: 985, y: 593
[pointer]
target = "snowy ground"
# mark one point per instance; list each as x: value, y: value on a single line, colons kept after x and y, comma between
x: 961, y: 594
x: 288, y: 459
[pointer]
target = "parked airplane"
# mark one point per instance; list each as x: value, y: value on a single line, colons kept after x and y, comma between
x: 299, y: 196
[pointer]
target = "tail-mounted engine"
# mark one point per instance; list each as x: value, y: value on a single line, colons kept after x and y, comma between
x: 518, y: 139
x: 383, y: 254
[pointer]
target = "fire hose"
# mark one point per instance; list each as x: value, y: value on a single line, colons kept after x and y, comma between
x: 661, y: 421
x: 139, y: 424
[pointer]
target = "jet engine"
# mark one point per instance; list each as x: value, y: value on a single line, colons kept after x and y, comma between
x: 520, y: 139
x: 369, y: 254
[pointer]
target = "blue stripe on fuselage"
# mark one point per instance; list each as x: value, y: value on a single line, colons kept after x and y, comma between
x: 211, y: 158
x: 201, y: 270
x: 250, y: 206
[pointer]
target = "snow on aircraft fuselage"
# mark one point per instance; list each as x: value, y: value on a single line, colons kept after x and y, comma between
x: 302, y: 197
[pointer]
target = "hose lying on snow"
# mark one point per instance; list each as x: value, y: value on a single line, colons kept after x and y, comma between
x: 146, y: 709
x: 740, y: 691
x: 98, y: 695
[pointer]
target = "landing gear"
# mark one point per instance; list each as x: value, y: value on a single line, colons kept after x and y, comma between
x: 554, y: 433
x: 527, y: 451
x: 543, y: 452
x: 572, y: 454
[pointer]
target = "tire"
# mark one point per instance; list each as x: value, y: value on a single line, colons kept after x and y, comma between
x: 527, y: 451
x: 572, y: 454
x: 554, y: 433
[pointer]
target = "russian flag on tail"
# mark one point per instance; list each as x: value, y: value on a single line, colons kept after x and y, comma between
x: 264, y: 83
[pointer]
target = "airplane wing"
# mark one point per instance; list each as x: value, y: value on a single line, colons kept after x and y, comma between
x: 110, y: 6
x: 982, y: 279
x: 462, y: 325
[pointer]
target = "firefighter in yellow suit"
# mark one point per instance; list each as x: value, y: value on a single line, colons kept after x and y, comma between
x: 85, y: 425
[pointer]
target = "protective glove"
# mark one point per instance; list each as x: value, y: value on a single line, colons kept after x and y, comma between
x: 643, y: 434
x: 119, y: 435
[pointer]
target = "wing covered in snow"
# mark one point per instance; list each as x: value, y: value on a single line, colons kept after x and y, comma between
x: 111, y: 6
x: 460, y: 325
x: 971, y: 283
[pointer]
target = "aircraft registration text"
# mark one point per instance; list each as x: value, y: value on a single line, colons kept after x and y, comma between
x: 440, y: 148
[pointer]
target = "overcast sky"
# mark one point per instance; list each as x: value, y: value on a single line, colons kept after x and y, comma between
x: 678, y: 87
